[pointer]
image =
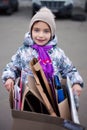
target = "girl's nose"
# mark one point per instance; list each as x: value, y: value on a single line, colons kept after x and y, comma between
x: 41, y: 34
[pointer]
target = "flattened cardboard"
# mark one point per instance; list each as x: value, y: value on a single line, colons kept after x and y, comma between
x: 30, y: 86
x: 32, y: 100
x: 11, y: 98
x: 64, y: 109
x: 14, y: 96
x: 42, y: 81
x: 46, y: 101
x: 74, y: 113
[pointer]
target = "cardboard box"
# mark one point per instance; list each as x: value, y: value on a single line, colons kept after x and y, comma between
x: 32, y: 119
x: 23, y: 120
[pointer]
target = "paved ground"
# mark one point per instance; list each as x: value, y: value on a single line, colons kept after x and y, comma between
x: 72, y: 37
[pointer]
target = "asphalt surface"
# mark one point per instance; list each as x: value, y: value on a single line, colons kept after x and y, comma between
x: 72, y: 38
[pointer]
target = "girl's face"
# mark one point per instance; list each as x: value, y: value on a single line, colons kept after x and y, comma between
x: 41, y: 33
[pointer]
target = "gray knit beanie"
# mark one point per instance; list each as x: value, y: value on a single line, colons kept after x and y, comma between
x: 45, y: 15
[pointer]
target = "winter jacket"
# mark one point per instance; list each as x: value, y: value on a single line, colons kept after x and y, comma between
x: 20, y: 62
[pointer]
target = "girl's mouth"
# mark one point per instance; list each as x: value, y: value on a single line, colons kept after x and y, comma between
x: 40, y: 40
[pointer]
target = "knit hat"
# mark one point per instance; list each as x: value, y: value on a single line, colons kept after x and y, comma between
x: 45, y: 15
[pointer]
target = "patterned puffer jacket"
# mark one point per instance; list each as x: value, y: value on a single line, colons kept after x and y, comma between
x: 20, y: 61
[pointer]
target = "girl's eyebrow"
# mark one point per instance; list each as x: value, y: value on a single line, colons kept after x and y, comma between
x: 43, y: 29
x: 46, y: 29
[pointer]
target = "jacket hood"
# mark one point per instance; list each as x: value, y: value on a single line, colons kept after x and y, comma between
x: 28, y: 40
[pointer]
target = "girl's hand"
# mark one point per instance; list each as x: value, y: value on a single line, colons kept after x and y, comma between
x: 9, y: 84
x: 77, y: 88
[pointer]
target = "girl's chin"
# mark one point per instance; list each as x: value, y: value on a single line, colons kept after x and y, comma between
x: 40, y: 43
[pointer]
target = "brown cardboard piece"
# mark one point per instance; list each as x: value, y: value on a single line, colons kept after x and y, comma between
x: 64, y: 109
x: 32, y: 98
x: 32, y: 88
x: 44, y: 88
x: 11, y: 98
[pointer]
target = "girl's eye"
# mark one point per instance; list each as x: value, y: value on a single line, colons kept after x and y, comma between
x: 47, y: 31
x: 44, y: 31
x: 36, y: 30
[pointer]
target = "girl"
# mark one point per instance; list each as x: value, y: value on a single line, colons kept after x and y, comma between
x: 41, y: 43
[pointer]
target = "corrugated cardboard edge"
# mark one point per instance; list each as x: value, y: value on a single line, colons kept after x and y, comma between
x: 37, y: 117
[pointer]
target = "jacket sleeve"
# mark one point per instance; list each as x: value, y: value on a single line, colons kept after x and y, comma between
x: 66, y: 68
x: 13, y: 68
